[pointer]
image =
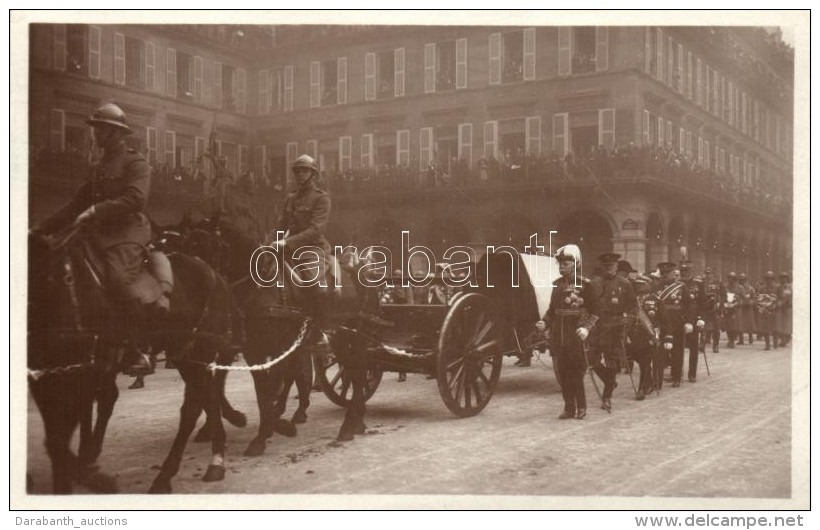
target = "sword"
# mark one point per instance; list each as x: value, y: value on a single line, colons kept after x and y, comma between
x: 702, y: 348
x: 591, y: 372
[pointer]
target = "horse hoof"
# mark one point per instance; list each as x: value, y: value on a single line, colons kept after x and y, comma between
x: 100, y: 483
x: 203, y: 435
x: 299, y: 417
x: 236, y: 418
x: 160, y: 486
x: 285, y: 428
x: 214, y: 473
x: 361, y: 429
x: 255, y: 448
x: 345, y: 436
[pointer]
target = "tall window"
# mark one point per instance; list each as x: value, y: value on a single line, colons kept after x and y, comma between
x: 439, y: 66
x: 329, y: 82
x: 185, y: 76
x: 76, y: 48
x: 228, y: 101
x: 385, y: 74
x: 134, y: 62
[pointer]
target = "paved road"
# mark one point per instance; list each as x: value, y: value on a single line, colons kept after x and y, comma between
x: 726, y: 436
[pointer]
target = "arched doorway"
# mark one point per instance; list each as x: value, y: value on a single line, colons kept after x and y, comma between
x: 591, y: 232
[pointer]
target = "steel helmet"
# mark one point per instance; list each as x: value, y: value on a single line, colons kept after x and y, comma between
x: 110, y: 114
x: 305, y: 161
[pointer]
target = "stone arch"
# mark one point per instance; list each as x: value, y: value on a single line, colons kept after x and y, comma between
x: 591, y: 231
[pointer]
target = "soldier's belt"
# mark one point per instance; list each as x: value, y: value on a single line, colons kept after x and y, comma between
x: 568, y: 312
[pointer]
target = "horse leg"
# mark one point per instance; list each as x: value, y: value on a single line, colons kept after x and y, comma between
x: 234, y: 417
x: 215, y: 387
x: 58, y: 431
x: 263, y: 384
x: 108, y: 394
x: 304, y: 381
x: 359, y: 385
x: 353, y: 422
x: 189, y: 413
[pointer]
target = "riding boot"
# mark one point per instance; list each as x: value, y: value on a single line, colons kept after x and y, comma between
x: 133, y: 320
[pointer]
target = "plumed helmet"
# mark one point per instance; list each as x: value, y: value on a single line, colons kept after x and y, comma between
x: 110, y: 114
x: 305, y: 161
x: 569, y: 253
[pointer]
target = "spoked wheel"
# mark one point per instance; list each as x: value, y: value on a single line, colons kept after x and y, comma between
x: 336, y: 384
x: 469, y: 355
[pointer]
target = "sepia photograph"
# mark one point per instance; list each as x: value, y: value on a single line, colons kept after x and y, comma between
x: 409, y: 260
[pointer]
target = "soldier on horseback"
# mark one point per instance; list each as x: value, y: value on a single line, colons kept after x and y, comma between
x: 111, y: 205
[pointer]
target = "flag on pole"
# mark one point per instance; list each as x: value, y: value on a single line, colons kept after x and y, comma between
x: 212, y: 146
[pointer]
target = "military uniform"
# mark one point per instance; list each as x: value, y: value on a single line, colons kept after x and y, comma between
x: 714, y: 300
x: 784, y: 309
x: 694, y: 302
x: 118, y: 192
x: 747, y: 309
x: 731, y: 310
x: 616, y: 301
x: 766, y: 308
x: 673, y: 295
x: 572, y: 306
x: 641, y: 339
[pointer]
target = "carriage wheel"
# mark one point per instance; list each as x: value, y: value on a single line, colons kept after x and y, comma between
x: 469, y: 355
x: 336, y: 384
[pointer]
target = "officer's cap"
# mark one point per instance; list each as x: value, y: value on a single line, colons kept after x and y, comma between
x: 609, y: 257
x: 768, y: 274
x: 666, y: 266
x: 741, y: 276
x: 732, y: 275
x: 625, y: 266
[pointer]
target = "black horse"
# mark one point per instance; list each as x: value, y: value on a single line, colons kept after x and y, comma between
x: 268, y: 332
x: 74, y: 355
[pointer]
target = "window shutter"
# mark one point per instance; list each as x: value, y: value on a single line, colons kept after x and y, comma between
x: 660, y: 129
x: 560, y: 134
x: 345, y: 148
x: 645, y: 127
x: 243, y: 159
x: 743, y: 115
x: 198, y: 78
x: 366, y: 159
x: 429, y: 68
x: 341, y: 80
x: 402, y: 148
x: 370, y: 76
x: 94, y: 52
x: 217, y: 92
x: 398, y: 75
x: 707, y: 85
x: 731, y: 104
x: 491, y: 139
x: 699, y: 83
x: 564, y: 50
x: 150, y: 66
x: 680, y: 83
x: 670, y: 62
x: 669, y: 135
x: 681, y: 141
x: 495, y: 58
x: 529, y: 54
x: 706, y: 155
x: 239, y: 89
x: 199, y: 147
x: 312, y: 149
x: 461, y: 63
x: 151, y: 143
x: 660, y: 57
x: 288, y: 100
x: 425, y: 147
x: 689, y: 74
x: 59, y: 47
x: 171, y: 148
x: 315, y: 84
x: 606, y: 128
x: 756, y: 121
x: 601, y: 48
x: 57, y: 127
x: 264, y: 92
x: 689, y: 144
x: 647, y: 50
x: 465, y: 143
x: 700, y: 151
x: 532, y: 132
x: 171, y: 72
x: 119, y: 58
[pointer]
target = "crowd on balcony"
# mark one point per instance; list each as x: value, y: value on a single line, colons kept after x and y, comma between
x: 512, y: 167
x: 513, y: 70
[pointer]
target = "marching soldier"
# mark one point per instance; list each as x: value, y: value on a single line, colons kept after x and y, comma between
x: 715, y: 298
x: 694, y: 305
x: 731, y: 313
x: 112, y: 204
x: 616, y: 301
x: 641, y: 337
x: 747, y: 309
x: 766, y: 307
x: 784, y: 309
x: 571, y: 316
x: 676, y: 326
